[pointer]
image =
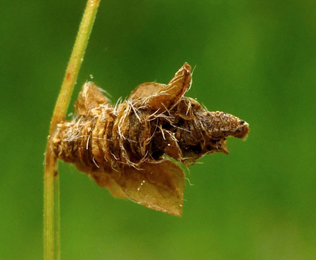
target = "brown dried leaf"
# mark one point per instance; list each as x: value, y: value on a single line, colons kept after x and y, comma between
x: 89, y: 97
x: 159, y: 96
x: 157, y: 185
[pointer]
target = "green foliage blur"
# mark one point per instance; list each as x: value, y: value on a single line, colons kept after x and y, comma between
x: 254, y: 59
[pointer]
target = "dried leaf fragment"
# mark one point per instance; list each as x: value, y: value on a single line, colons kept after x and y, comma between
x: 123, y: 148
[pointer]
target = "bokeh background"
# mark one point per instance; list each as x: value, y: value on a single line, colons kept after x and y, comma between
x: 254, y: 59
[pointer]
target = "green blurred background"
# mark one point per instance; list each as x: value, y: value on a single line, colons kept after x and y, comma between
x: 254, y: 59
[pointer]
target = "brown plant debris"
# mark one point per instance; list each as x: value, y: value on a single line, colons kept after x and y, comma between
x: 123, y: 148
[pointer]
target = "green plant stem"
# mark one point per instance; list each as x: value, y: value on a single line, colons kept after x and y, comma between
x: 51, y: 178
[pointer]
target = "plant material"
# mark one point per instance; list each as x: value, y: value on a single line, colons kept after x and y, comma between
x: 124, y: 148
x: 51, y: 230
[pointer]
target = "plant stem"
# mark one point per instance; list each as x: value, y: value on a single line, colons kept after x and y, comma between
x: 51, y: 179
